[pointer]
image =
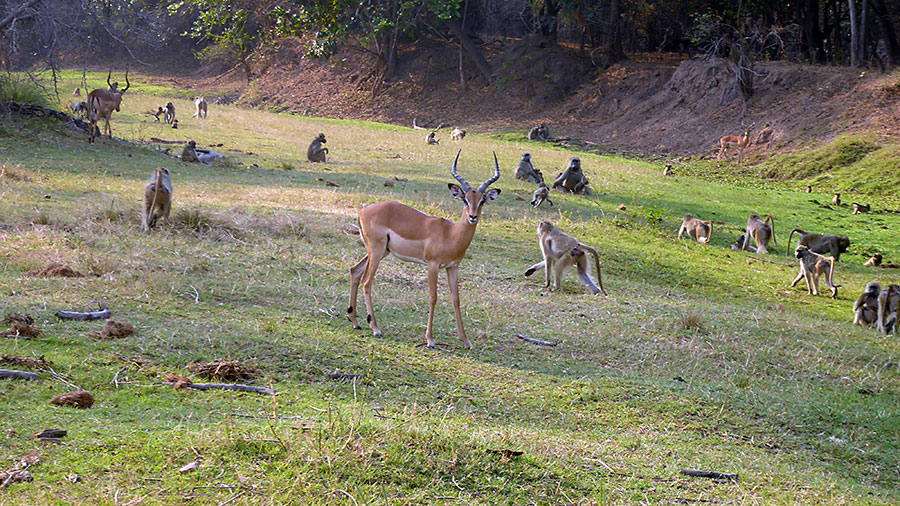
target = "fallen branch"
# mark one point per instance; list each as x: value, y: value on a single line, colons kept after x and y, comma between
x: 91, y: 315
x: 161, y: 141
x: 535, y: 341
x: 239, y: 388
x: 710, y: 474
x: 13, y: 374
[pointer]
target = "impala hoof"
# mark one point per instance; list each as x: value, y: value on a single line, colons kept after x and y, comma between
x: 357, y: 328
x: 378, y: 333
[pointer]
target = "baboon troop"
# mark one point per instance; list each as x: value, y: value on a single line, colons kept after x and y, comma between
x: 457, y: 134
x: 315, y: 152
x: 812, y: 265
x: 699, y: 230
x: 561, y: 251
x: 430, y: 140
x: 861, y: 208
x: 169, y: 113
x: 526, y: 172
x: 413, y: 236
x: 572, y: 179
x: 157, y: 199
x: 539, y: 133
x: 761, y: 231
x: 200, y: 104
x: 832, y: 244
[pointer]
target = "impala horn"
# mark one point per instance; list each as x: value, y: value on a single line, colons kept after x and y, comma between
x: 127, y: 84
x: 496, y: 176
x: 465, y: 185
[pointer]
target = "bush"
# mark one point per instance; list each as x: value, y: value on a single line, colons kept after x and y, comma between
x: 23, y: 92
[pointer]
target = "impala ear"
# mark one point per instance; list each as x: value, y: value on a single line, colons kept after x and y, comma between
x: 492, y: 194
x: 456, y: 191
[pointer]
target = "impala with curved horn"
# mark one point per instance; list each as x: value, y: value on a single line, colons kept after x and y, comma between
x: 391, y: 227
x: 102, y: 103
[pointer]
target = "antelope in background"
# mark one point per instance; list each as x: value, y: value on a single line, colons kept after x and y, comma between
x: 102, y: 103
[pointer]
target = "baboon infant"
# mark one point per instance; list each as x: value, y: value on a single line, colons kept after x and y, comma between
x: 316, y: 153
x: 697, y: 229
x: 526, y: 172
x: 540, y: 195
x: 560, y: 251
x: 157, y: 198
x: 812, y: 265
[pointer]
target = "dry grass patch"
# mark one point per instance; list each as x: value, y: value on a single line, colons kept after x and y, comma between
x: 223, y: 370
x: 32, y: 363
x: 21, y: 324
x: 114, y: 330
x: 55, y: 270
x: 14, y: 174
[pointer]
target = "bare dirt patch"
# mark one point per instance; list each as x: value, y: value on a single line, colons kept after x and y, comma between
x: 55, y: 270
x: 114, y: 330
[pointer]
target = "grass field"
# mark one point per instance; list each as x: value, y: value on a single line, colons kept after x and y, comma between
x: 700, y: 358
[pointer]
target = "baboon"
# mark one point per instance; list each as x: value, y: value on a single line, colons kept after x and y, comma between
x: 315, y: 152
x: 875, y: 260
x: 157, y: 198
x: 888, y: 300
x: 201, y: 105
x: 526, y: 172
x: 865, y: 309
x: 429, y: 139
x: 833, y: 244
x: 735, y: 141
x: 457, y: 134
x: 79, y: 109
x: 761, y: 232
x: 739, y: 245
x: 539, y: 133
x: 170, y: 113
x: 189, y: 153
x: 812, y: 265
x: 175, y: 123
x: 540, y: 195
x: 77, y: 92
x: 808, y: 188
x: 668, y: 170
x: 159, y: 112
x: 836, y: 201
x: 560, y: 251
x: 572, y: 179
x: 697, y: 229
x: 861, y: 208
x: 413, y: 236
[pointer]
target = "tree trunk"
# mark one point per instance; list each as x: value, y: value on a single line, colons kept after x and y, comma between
x: 863, y: 22
x: 887, y: 31
x: 811, y: 33
x: 472, y: 50
x: 854, y: 35
x: 616, y: 52
x: 548, y: 19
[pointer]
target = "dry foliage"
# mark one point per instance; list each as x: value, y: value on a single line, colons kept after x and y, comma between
x: 223, y: 370
x: 114, y: 330
x: 20, y: 325
x: 25, y: 318
x: 14, y: 174
x: 692, y: 321
x: 53, y: 270
x: 33, y: 363
x: 79, y: 398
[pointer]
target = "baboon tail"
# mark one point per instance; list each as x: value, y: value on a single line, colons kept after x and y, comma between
x: 771, y: 220
x: 791, y: 238
x: 596, y: 265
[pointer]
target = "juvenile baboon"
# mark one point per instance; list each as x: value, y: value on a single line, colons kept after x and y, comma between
x: 540, y: 195
x: 808, y: 188
x: 875, y: 260
x: 833, y: 244
x: 697, y: 229
x: 201, y: 105
x: 888, y: 300
x: 836, y: 201
x: 861, y: 208
x: 539, y: 133
x: 727, y: 142
x: 457, y: 134
x: 170, y: 113
x: 159, y: 112
x: 315, y: 152
x: 668, y: 170
x: 189, y: 153
x: 560, y: 251
x: 865, y: 309
x: 430, y: 140
x: 77, y: 92
x: 157, y: 198
x: 739, y: 245
x: 812, y: 265
x: 526, y: 172
x: 79, y: 109
x: 175, y: 123
x: 761, y: 232
x: 572, y: 179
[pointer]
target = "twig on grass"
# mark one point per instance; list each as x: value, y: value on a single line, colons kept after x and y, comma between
x: 535, y: 341
x: 90, y: 315
x: 62, y: 379
x: 237, y: 387
x: 116, y: 377
x: 710, y: 474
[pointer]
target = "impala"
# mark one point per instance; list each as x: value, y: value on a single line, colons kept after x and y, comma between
x: 102, y: 103
x: 735, y: 141
x: 391, y: 227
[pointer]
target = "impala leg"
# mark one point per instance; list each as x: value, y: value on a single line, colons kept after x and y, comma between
x: 356, y: 273
x: 453, y: 283
x: 376, y: 253
x: 432, y: 300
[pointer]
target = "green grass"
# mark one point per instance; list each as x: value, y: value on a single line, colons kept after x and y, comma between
x: 700, y: 358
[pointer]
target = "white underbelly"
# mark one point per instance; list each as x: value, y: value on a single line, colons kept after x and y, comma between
x: 408, y: 259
